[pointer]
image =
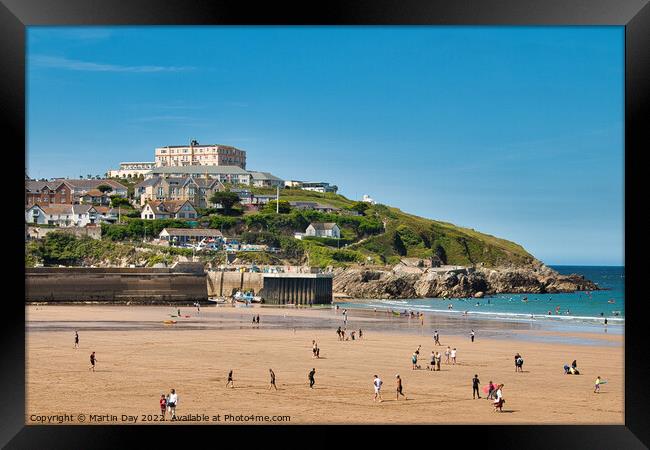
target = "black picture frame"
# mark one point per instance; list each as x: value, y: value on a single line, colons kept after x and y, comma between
x: 15, y: 15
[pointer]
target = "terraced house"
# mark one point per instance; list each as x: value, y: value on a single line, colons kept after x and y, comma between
x: 68, y: 215
x: 168, y: 209
x: 195, y: 190
x: 79, y: 188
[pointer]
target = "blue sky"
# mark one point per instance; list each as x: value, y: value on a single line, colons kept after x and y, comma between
x: 513, y: 131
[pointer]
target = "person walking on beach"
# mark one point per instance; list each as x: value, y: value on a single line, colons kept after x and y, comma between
x: 76, y: 339
x: 447, y: 353
x: 311, y: 378
x: 398, y: 382
x: 475, y: 384
x: 338, y: 332
x: 343, y: 334
x: 179, y: 312
x: 414, y: 360
x: 432, y: 365
x: 253, y: 320
x: 272, y: 385
x: 230, y: 380
x: 471, y: 335
x: 360, y: 333
x: 93, y: 360
x: 438, y: 358
x: 453, y: 355
x: 436, y: 338
x: 258, y: 319
x: 491, y: 389
x: 172, y: 402
x: 377, y: 385
x: 597, y: 384
x: 352, y: 335
x: 313, y: 348
x: 163, y: 405
x: 498, y: 399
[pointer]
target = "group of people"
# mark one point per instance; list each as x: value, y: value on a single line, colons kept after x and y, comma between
x: 399, y: 388
x: 256, y: 320
x: 315, y: 350
x: 168, y: 404
x: 340, y: 332
x: 436, y: 357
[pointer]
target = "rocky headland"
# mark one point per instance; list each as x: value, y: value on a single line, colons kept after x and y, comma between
x: 411, y: 281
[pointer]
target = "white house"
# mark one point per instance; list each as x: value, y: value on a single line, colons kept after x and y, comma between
x: 366, y: 198
x: 65, y: 215
x: 168, y: 209
x: 323, y: 229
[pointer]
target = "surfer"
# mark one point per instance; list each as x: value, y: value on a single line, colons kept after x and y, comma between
x: 471, y: 335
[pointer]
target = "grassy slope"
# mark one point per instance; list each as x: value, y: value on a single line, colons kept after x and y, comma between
x: 421, y: 236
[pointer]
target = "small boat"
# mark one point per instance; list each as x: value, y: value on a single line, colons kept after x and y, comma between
x: 247, y: 298
x: 611, y: 300
x: 218, y: 300
x: 169, y: 322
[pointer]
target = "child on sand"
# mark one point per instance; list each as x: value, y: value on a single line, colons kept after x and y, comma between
x: 163, y: 405
x: 377, y: 384
x: 230, y: 381
x: 491, y: 389
x: 597, y: 384
x: 399, y: 388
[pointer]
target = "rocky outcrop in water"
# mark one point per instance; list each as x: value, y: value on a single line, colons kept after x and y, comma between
x: 404, y: 281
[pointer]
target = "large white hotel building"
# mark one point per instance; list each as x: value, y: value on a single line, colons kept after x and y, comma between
x: 199, y: 154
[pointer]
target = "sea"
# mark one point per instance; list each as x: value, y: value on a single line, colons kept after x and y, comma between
x: 578, y: 308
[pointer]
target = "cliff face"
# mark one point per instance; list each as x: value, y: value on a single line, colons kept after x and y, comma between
x: 413, y: 282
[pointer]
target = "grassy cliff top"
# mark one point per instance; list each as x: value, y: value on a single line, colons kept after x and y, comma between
x: 407, y: 235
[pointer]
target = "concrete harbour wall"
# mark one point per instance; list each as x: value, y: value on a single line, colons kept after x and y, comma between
x: 115, y: 285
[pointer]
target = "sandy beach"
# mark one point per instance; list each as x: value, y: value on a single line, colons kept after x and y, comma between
x: 139, y: 358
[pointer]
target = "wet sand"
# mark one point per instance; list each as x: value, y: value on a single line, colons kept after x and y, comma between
x: 139, y: 358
